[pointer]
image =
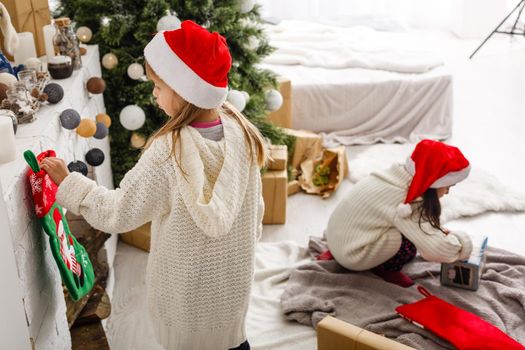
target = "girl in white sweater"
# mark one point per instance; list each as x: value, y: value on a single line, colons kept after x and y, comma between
x: 389, y: 215
x: 198, y: 182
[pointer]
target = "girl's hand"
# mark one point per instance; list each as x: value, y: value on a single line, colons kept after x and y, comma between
x: 56, y: 168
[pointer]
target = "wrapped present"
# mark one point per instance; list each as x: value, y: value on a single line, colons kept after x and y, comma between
x: 308, y: 145
x: 29, y: 16
x: 293, y: 187
x: 275, y: 194
x: 466, y: 273
x: 278, y: 157
x: 283, y: 116
x: 323, y: 176
x: 333, y: 333
x: 139, y: 237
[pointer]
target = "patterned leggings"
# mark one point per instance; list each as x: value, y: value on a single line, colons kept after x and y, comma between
x: 406, y: 252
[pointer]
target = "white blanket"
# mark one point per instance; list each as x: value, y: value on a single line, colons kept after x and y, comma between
x: 316, y: 45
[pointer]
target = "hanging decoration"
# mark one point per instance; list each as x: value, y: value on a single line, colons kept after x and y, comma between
x: 87, y: 128
x: 132, y: 117
x: 96, y: 85
x: 137, y: 140
x: 237, y: 99
x: 101, y: 132
x: 69, y: 119
x: 246, y: 5
x: 70, y: 256
x: 104, y: 118
x: 274, y: 100
x: 84, y: 34
x: 54, y: 93
x: 109, y: 60
x: 135, y: 71
x: 168, y: 22
x: 78, y: 166
x: 95, y: 157
x: 252, y: 43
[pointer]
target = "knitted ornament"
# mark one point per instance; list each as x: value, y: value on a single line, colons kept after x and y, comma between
x: 102, y: 131
x: 87, y: 128
x: 95, y: 157
x: 70, y: 119
x: 78, y: 166
x: 54, y: 92
x: 104, y: 118
x: 433, y: 164
x: 96, y: 85
x: 193, y: 62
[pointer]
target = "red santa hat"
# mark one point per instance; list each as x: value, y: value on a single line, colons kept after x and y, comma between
x: 433, y: 164
x: 193, y: 62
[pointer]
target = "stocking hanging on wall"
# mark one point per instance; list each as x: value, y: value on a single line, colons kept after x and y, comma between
x: 71, y: 257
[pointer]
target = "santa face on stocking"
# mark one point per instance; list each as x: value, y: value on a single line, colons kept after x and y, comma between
x: 67, y: 249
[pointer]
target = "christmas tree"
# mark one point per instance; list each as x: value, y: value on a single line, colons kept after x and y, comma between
x: 124, y: 27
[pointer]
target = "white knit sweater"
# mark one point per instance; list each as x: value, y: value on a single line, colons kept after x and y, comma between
x: 365, y: 231
x: 204, y: 227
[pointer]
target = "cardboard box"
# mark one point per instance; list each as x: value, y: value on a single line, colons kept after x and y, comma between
x: 140, y: 237
x: 334, y: 334
x: 278, y: 157
x: 308, y: 145
x: 283, y: 116
x: 29, y: 16
x: 275, y: 194
x: 293, y: 187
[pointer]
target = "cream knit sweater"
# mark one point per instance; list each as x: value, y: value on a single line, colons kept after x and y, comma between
x: 204, y: 228
x: 365, y: 231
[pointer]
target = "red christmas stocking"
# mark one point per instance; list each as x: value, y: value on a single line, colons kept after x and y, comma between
x: 461, y: 328
x: 71, y: 257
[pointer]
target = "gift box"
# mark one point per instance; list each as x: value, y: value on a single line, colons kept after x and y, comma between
x: 334, y: 334
x: 293, y: 187
x: 308, y: 145
x: 275, y: 194
x: 278, y: 157
x: 466, y: 273
x: 283, y: 116
x: 29, y: 16
x: 139, y: 237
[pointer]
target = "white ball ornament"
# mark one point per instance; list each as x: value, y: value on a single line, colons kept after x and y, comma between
x: 246, y: 96
x: 132, y: 117
x: 168, y: 22
x: 274, y: 100
x: 237, y: 99
x: 247, y: 6
x: 135, y: 71
x: 109, y: 61
x: 84, y: 34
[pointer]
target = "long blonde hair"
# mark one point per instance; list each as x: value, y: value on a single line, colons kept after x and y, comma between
x: 189, y: 112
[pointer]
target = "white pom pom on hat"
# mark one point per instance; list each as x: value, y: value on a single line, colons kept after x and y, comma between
x: 433, y: 164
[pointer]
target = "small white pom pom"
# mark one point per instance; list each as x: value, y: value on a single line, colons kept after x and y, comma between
x: 404, y: 210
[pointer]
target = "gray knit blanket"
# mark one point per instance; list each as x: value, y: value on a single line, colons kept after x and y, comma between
x: 323, y: 288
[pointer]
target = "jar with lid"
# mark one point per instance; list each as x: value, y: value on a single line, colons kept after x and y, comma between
x: 66, y: 43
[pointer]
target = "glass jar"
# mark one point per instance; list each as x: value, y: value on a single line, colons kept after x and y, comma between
x: 65, y: 41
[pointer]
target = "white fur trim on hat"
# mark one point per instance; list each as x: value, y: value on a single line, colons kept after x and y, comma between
x: 451, y: 178
x: 404, y: 210
x: 181, y: 78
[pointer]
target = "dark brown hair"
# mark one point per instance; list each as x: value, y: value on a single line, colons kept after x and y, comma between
x: 430, y: 209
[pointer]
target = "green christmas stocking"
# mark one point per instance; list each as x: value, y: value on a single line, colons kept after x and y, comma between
x: 71, y: 257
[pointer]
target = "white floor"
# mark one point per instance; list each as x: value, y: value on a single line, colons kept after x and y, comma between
x: 489, y: 127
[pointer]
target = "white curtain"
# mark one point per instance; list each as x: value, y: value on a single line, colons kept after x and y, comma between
x: 452, y: 15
